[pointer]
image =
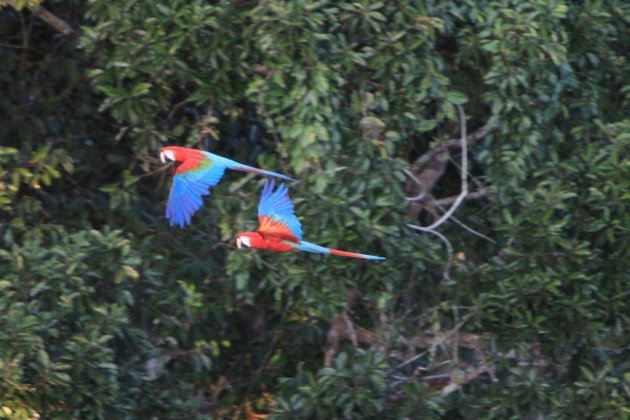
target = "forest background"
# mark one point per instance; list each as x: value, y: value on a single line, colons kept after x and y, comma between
x: 515, y: 306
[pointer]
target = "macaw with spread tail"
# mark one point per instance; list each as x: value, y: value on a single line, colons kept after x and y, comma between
x: 280, y: 230
x: 195, y: 171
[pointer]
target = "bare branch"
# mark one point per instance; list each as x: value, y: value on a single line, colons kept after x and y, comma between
x: 471, y: 196
x: 454, y: 144
x: 464, y: 179
x: 464, y: 172
x: 449, y: 248
x: 52, y: 20
x: 449, y: 200
x: 418, y: 183
x: 461, y: 377
x: 471, y: 230
x: 458, y: 200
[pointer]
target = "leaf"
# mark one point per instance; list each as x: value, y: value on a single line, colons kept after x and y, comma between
x: 38, y: 288
x: 427, y: 125
x: 141, y: 89
x: 456, y: 98
x: 131, y: 272
x: 42, y: 358
x: 108, y: 365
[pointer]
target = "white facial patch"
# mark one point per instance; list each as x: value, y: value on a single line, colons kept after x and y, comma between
x: 243, y: 241
x: 167, y: 154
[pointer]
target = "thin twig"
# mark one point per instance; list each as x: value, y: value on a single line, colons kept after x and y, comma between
x: 156, y: 171
x: 477, y: 194
x: 471, y: 230
x: 175, y: 108
x: 416, y: 197
x: 418, y: 183
x: 456, y: 336
x: 449, y: 248
x: 441, y: 340
x: 412, y: 176
x: 471, y: 196
x: 411, y: 360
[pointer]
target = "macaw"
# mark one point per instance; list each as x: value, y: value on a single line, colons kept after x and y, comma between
x: 280, y: 230
x: 195, y: 171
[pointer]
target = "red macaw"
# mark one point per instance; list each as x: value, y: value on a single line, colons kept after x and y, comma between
x: 195, y: 172
x: 280, y: 230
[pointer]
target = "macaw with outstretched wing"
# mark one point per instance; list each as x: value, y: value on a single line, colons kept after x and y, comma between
x: 195, y: 171
x: 280, y: 230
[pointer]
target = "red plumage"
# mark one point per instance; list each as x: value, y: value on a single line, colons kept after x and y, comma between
x: 269, y: 242
x: 186, y: 159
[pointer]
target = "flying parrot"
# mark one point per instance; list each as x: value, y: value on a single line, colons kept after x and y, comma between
x: 280, y: 230
x: 195, y: 171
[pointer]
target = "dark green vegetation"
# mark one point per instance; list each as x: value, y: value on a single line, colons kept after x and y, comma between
x: 105, y: 312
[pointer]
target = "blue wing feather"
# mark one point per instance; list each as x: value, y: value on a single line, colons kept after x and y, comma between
x: 185, y: 197
x: 278, y: 205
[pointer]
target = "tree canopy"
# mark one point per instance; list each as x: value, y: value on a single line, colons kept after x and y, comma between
x: 514, y: 305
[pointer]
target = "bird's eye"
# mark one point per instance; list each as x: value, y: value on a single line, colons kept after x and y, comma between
x: 245, y: 242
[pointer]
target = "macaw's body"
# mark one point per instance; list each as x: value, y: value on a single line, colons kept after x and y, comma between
x: 280, y: 230
x: 195, y: 171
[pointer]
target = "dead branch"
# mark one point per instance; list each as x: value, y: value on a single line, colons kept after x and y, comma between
x: 433, y: 204
x: 454, y: 144
x: 53, y: 21
x: 464, y: 173
x: 464, y: 191
x: 446, y: 375
x: 461, y: 377
x: 449, y: 249
x: 454, y: 339
x: 428, y: 176
x: 471, y: 230
x: 471, y: 196
x: 429, y: 168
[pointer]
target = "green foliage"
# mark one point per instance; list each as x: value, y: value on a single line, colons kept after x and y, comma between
x: 65, y: 299
x: 106, y: 312
x: 342, y: 390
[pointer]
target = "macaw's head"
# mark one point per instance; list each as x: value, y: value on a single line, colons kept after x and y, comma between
x: 249, y: 240
x: 173, y: 154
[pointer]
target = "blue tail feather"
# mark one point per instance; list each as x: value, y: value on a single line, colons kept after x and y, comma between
x: 309, y: 247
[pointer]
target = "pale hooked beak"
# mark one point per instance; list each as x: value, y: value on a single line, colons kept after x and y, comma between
x: 167, y: 154
x: 242, y: 241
